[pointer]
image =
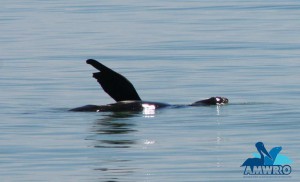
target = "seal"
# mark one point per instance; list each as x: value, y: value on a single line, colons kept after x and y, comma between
x: 127, y: 99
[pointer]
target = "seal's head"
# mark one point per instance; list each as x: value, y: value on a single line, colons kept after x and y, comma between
x: 220, y: 100
x: 211, y: 101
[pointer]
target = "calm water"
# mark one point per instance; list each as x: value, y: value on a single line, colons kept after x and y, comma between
x: 173, y: 51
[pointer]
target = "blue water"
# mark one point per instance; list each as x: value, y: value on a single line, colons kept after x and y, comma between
x: 176, y: 52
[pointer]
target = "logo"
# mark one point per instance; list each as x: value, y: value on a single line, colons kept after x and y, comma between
x: 267, y: 163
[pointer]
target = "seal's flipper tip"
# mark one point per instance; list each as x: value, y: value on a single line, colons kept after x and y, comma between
x: 97, y: 65
x: 90, y: 61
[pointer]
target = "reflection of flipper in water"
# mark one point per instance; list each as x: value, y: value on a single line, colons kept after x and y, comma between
x: 124, y: 93
x: 116, y: 124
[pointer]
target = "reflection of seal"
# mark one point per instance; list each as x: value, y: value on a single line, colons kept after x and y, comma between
x: 125, y: 95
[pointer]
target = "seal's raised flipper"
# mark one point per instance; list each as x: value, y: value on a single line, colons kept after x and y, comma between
x: 113, y: 83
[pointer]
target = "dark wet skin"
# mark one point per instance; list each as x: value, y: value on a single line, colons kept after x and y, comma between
x: 125, y: 95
